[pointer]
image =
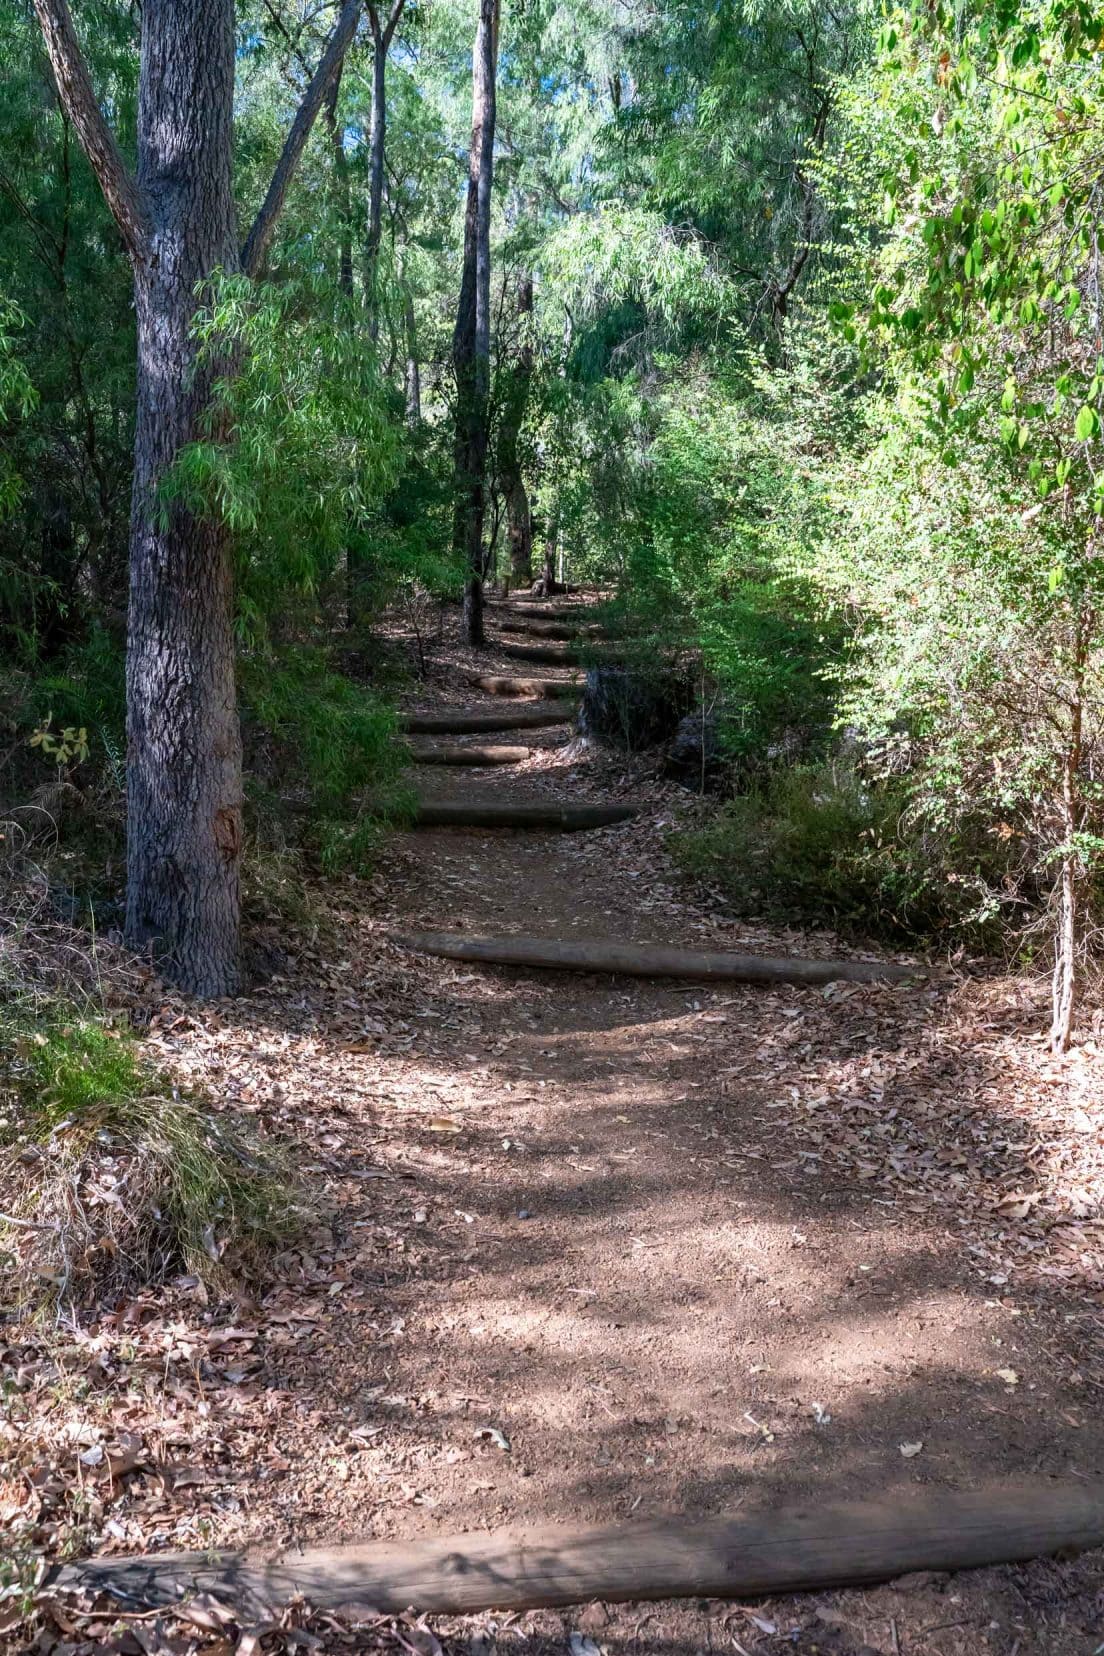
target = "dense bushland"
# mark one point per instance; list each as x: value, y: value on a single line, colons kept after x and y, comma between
x: 778, y: 325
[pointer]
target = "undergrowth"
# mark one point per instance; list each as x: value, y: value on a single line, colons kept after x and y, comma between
x: 112, y: 1178
x: 821, y: 843
x: 324, y: 764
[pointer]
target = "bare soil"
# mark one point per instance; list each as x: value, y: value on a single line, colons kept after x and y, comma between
x: 596, y: 1249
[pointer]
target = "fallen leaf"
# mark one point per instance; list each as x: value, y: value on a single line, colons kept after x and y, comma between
x: 1018, y: 1204
x: 491, y: 1434
x: 908, y: 1450
x: 761, y: 1622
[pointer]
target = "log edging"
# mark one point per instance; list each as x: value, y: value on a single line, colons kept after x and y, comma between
x: 819, y: 1545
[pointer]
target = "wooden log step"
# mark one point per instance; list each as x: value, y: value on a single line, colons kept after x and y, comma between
x: 544, y: 629
x: 547, y: 655
x: 650, y: 960
x: 478, y: 813
x: 497, y: 684
x: 483, y: 754
x: 547, y: 611
x: 565, y: 655
x: 751, y: 1554
x: 462, y: 722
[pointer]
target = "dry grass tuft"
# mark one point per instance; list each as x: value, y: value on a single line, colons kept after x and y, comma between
x: 109, y: 1177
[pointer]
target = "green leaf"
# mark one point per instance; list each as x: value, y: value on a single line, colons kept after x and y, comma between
x: 1087, y: 426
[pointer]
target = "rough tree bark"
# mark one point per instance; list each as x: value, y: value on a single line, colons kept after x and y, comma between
x: 177, y: 220
x: 548, y: 582
x: 471, y: 340
x: 519, y: 522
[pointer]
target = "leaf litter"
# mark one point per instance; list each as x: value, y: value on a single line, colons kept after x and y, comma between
x: 930, y: 1117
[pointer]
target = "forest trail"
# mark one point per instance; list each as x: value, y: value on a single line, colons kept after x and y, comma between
x: 595, y: 1248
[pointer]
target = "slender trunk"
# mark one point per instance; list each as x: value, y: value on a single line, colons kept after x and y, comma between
x: 471, y: 346
x: 1071, y: 873
x: 377, y: 144
x: 519, y: 521
x: 412, y: 379
x: 342, y: 198
x: 356, y: 568
x: 1064, y: 989
x: 184, y: 748
x: 1067, y: 946
x: 548, y: 573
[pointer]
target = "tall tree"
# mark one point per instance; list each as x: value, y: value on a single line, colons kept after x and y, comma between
x: 341, y: 191
x: 382, y: 35
x: 412, y: 374
x: 519, y: 522
x: 176, y: 217
x: 471, y: 340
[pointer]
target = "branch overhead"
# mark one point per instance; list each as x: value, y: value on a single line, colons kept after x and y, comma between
x: 78, y: 99
x: 264, y: 225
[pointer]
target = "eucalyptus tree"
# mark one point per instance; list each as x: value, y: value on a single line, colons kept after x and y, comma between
x: 471, y: 340
x: 726, y: 123
x: 176, y: 216
x: 383, y: 30
x: 514, y: 401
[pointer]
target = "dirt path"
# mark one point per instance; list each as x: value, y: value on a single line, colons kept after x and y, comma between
x: 599, y: 1248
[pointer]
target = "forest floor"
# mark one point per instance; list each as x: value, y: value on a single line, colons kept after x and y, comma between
x: 595, y: 1249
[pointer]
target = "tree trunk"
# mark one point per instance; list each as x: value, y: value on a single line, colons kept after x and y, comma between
x: 382, y: 34
x: 471, y: 344
x: 377, y: 140
x: 1064, y: 990
x: 356, y: 567
x: 183, y: 744
x: 412, y: 379
x: 1067, y: 943
x: 519, y: 522
x: 177, y: 219
x: 548, y: 573
x: 342, y: 199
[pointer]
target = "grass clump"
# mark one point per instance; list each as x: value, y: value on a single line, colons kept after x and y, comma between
x: 111, y: 1178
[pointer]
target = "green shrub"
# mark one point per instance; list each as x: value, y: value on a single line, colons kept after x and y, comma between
x: 322, y: 755
x: 111, y: 1177
x: 821, y: 843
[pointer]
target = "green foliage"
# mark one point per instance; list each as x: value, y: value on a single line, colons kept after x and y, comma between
x: 827, y: 843
x: 968, y: 520
x: 697, y: 491
x: 18, y: 398
x: 300, y: 446
x: 188, y: 1188
x: 314, y: 737
x: 987, y: 299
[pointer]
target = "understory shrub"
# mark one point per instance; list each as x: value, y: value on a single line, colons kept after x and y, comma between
x: 322, y: 757
x: 824, y: 843
x: 111, y: 1178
